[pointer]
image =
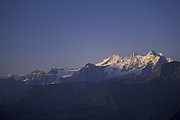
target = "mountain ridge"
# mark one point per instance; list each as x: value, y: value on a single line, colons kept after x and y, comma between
x: 114, y: 66
x: 156, y: 99
x: 119, y: 66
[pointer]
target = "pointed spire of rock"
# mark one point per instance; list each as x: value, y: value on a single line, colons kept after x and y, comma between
x: 152, y: 52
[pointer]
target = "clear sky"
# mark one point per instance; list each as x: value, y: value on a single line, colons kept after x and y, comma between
x: 43, y: 34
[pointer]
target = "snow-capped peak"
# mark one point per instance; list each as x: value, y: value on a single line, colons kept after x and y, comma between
x: 132, y: 62
x: 160, y: 54
x: 152, y: 52
x: 169, y: 59
x: 110, y: 60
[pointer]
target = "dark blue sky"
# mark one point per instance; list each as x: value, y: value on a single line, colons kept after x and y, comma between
x: 40, y: 34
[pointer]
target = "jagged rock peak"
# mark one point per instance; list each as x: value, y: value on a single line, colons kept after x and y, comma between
x: 37, y: 71
x: 53, y: 71
x: 152, y: 52
x: 115, y: 56
x: 89, y: 65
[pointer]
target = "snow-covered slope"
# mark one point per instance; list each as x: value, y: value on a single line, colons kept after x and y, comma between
x: 117, y: 66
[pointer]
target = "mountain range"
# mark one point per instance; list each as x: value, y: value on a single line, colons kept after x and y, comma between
x: 117, y: 98
x: 134, y: 87
x: 114, y: 66
x: 38, y: 77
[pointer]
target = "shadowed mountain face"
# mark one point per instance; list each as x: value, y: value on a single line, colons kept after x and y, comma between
x: 38, y: 77
x: 10, y: 87
x: 89, y: 73
x: 176, y: 116
x: 115, y: 99
x: 171, y: 71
